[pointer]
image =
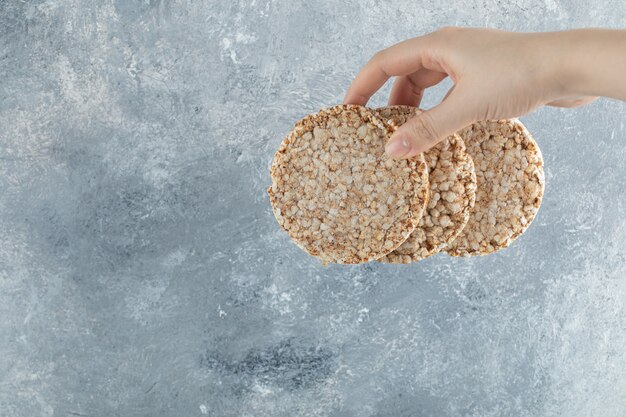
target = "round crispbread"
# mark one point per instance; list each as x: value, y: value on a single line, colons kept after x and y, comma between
x: 452, y: 192
x: 510, y: 184
x: 337, y: 194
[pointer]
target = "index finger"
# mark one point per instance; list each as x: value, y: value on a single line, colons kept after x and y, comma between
x: 400, y: 59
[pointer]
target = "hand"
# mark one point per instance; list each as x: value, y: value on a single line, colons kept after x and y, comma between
x: 496, y: 75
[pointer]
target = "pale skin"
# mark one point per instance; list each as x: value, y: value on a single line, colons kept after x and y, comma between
x: 496, y: 75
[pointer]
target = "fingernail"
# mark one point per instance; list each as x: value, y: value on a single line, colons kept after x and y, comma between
x: 398, y: 146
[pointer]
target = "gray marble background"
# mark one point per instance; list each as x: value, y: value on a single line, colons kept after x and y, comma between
x: 143, y: 274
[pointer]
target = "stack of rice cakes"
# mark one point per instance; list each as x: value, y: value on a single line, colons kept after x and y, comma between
x: 341, y: 199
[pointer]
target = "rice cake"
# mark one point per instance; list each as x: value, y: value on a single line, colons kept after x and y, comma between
x: 337, y: 194
x: 452, y: 193
x: 510, y: 184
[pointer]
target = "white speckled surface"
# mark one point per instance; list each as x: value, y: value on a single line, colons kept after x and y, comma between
x: 143, y: 274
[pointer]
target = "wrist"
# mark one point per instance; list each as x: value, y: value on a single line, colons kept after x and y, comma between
x: 557, y: 52
x: 587, y: 62
x: 570, y: 49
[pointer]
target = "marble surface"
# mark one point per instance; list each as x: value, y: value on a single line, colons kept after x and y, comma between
x: 143, y: 274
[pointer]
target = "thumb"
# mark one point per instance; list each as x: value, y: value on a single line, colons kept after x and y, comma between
x: 425, y: 130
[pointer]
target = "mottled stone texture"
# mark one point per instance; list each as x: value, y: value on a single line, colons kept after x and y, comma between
x: 143, y: 274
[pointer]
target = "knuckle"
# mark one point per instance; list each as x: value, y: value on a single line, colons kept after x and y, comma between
x: 423, y: 128
x: 378, y: 60
x: 379, y: 56
x: 442, y: 36
x: 416, y: 90
x: 446, y: 31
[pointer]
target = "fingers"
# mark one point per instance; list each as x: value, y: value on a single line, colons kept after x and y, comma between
x: 401, y: 59
x: 409, y: 89
x: 404, y: 91
x: 569, y: 103
x: 425, y: 130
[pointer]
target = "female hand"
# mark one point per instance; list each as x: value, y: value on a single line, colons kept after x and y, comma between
x: 496, y: 75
